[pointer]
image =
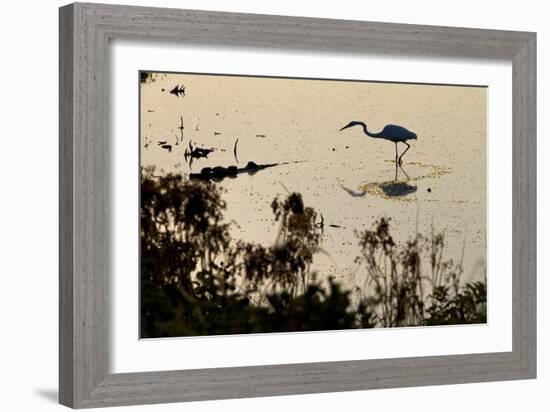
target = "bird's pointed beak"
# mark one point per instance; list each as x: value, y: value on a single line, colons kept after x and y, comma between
x: 345, y: 127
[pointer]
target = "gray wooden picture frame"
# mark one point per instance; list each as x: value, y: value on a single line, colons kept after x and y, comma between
x: 85, y: 31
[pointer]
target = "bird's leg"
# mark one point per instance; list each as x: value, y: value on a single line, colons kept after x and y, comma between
x: 405, y: 173
x: 408, y: 147
x: 395, y: 153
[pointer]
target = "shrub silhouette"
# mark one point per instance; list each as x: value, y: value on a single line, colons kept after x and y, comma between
x: 197, y: 280
x: 403, y: 294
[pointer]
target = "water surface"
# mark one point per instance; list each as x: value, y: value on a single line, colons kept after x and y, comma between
x: 347, y: 177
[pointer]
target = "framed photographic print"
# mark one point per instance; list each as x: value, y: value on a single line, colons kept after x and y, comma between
x: 257, y: 205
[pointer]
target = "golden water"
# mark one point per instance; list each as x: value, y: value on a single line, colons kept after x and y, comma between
x: 350, y: 178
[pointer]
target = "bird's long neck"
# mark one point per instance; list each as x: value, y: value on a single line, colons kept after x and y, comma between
x: 366, y: 131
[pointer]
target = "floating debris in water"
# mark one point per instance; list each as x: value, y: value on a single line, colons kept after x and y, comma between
x: 178, y: 90
x: 429, y: 190
x: 167, y: 147
x: 321, y: 224
x: 197, y: 152
x: 146, y: 77
x: 217, y: 133
x: 147, y: 142
x: 180, y: 127
x: 161, y: 142
x: 260, y: 135
x: 235, y: 150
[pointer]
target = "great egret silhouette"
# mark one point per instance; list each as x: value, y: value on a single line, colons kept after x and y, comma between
x: 390, y: 132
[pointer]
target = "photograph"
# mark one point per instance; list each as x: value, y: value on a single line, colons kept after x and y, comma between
x: 279, y: 204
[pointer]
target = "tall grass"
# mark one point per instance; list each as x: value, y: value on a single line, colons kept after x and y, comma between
x: 412, y: 284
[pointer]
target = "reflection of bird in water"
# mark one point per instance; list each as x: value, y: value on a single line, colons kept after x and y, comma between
x: 393, y: 188
x: 403, y: 170
x: 390, y: 132
x: 353, y: 193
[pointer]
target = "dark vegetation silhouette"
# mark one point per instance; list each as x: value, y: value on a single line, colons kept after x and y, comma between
x: 197, y: 280
x: 413, y: 285
x: 144, y: 76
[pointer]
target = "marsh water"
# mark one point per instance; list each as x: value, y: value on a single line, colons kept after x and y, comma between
x: 349, y: 178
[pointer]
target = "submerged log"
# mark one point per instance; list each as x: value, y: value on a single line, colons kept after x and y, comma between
x: 219, y: 172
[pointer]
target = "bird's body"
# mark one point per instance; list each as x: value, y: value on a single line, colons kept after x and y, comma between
x: 396, y: 133
x: 390, y: 132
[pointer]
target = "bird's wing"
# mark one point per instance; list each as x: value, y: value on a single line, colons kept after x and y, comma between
x: 396, y: 132
x: 395, y: 129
